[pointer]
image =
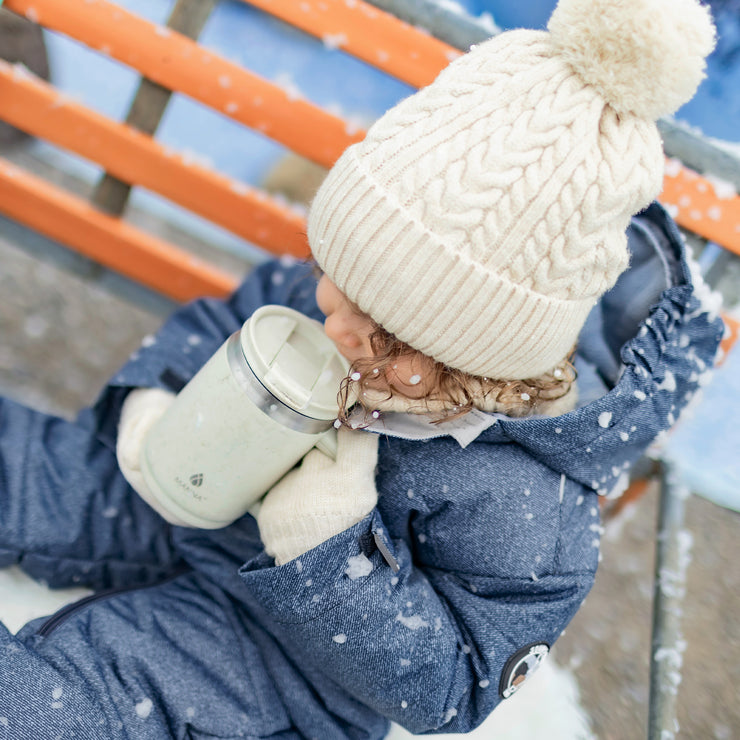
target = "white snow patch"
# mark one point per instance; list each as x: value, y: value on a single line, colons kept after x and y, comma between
x: 487, y: 21
x: 673, y: 167
x: 710, y: 300
x: 715, y: 213
x: 668, y: 383
x: 358, y: 566
x: 414, y: 622
x: 620, y: 486
x: 672, y: 210
x: 605, y: 418
x: 723, y: 189
x: 285, y: 82
x: 451, y: 712
x: 452, y: 7
x: 334, y: 40
x: 705, y: 378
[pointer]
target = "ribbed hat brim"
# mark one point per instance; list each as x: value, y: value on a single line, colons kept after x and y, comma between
x: 428, y: 295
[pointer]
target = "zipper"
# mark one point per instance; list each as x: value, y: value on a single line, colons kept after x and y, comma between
x: 63, y: 614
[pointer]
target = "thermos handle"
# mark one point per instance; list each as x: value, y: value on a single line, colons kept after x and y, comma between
x: 327, y: 443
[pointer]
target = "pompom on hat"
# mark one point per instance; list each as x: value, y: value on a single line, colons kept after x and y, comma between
x: 482, y: 218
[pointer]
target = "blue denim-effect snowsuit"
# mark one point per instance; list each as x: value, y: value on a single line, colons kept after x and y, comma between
x: 196, y: 634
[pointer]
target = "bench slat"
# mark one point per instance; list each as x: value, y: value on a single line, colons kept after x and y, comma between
x: 180, y: 64
x: 108, y: 240
x: 34, y: 106
x: 370, y: 34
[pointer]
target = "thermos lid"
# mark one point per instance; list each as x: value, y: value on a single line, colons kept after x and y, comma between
x: 294, y: 360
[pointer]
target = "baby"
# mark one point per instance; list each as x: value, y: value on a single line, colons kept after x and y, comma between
x: 476, y: 236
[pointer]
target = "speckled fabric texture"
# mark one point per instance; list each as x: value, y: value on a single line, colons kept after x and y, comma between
x: 414, y: 614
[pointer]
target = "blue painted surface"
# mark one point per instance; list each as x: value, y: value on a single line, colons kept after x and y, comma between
x: 705, y: 448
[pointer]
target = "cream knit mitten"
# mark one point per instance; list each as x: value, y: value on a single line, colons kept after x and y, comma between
x: 141, y: 409
x: 321, y: 497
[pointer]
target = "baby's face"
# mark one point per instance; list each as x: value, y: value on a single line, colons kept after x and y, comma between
x: 349, y: 330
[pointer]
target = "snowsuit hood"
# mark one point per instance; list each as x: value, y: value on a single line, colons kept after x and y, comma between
x: 646, y: 349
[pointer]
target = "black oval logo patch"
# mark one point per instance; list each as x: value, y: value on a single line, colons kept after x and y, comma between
x: 520, y: 666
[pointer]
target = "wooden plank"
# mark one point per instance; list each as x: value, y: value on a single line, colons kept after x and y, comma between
x: 106, y: 239
x: 370, y: 34
x: 178, y: 63
x: 695, y: 204
x: 150, y: 102
x: 34, y: 106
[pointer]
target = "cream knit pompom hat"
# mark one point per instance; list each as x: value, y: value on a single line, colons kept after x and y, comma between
x: 481, y: 218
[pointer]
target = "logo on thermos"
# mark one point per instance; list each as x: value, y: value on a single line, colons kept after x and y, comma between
x: 197, y: 479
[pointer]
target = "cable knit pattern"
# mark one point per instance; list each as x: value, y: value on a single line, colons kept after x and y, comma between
x: 482, y: 217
